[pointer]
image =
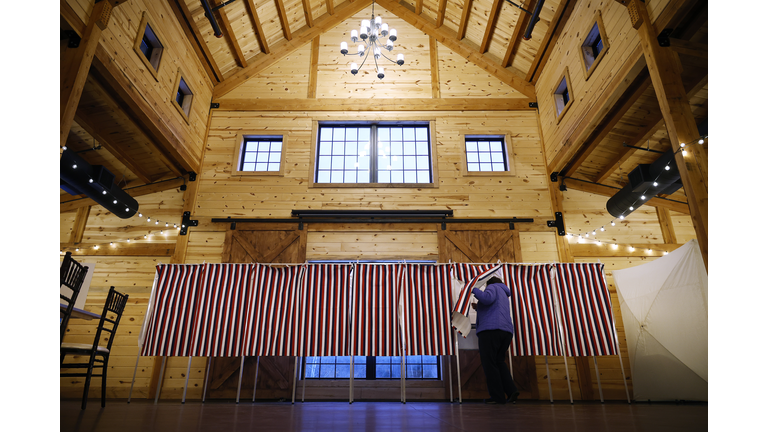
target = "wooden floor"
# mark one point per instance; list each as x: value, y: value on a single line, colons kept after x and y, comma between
x: 382, y: 416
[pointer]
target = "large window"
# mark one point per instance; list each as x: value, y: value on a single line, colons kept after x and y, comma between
x: 259, y: 154
x: 372, y: 368
x: 374, y: 153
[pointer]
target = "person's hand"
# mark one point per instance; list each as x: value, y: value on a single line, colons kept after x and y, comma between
x: 474, y: 306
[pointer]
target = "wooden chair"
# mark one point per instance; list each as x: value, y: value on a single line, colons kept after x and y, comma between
x: 72, y: 275
x: 98, y: 355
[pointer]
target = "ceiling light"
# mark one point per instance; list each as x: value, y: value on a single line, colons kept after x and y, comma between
x: 375, y: 36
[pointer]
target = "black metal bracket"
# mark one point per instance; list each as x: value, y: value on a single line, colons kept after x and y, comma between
x: 533, y: 104
x: 214, y: 105
x: 192, y: 176
x: 663, y: 37
x: 553, y: 177
x: 73, y: 37
x: 563, y: 188
x: 558, y: 223
x: 186, y: 222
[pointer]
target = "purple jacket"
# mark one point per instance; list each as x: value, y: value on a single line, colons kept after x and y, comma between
x: 493, y: 308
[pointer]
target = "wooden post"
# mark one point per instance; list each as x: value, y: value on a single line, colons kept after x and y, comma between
x: 667, y: 229
x: 665, y: 69
x: 79, y: 63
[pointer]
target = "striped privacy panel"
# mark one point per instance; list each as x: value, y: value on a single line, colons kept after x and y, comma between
x: 585, y: 307
x: 220, y: 321
x: 272, y: 315
x: 533, y: 310
x: 471, y: 275
x: 373, y: 318
x: 323, y: 328
x: 427, y: 309
x: 171, y: 313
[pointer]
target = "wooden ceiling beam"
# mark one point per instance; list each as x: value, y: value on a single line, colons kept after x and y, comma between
x: 197, y: 45
x: 464, y: 20
x: 78, y: 227
x: 561, y: 16
x: 631, y: 95
x: 93, y: 129
x: 689, y: 48
x: 408, y: 104
x: 448, y: 38
x: 283, y: 19
x: 230, y: 35
x: 329, y: 7
x: 199, y: 38
x: 76, y: 203
x: 181, y: 159
x: 493, y: 17
x: 345, y: 11
x: 257, y: 24
x: 419, y: 6
x: 78, y: 61
x: 135, y: 249
x: 308, y: 13
x: 517, y: 34
x: 655, y: 121
x: 441, y: 5
x: 609, y: 191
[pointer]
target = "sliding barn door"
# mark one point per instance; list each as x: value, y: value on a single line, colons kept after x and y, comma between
x: 258, y: 243
x: 486, y: 243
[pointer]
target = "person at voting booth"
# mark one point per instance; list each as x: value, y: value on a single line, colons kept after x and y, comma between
x: 494, y: 333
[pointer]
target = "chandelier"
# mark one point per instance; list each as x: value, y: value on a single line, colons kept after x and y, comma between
x: 371, y: 37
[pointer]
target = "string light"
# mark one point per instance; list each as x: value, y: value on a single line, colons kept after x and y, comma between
x: 613, y: 223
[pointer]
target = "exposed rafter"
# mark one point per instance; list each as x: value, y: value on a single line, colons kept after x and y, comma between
x: 404, y: 104
x: 283, y: 19
x: 441, y: 5
x: 517, y: 34
x: 307, y: 12
x: 448, y: 38
x: 231, y: 36
x: 344, y: 11
x: 257, y: 24
x: 561, y: 16
x: 464, y: 20
x: 493, y: 16
x: 190, y: 23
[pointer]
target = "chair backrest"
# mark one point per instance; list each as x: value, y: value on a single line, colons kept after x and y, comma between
x: 72, y: 275
x: 115, y: 304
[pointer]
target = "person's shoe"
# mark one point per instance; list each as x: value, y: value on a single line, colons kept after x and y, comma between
x: 513, y: 397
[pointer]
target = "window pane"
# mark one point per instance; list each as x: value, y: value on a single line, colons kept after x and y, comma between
x: 274, y: 167
x: 249, y: 167
x: 342, y: 371
x: 498, y: 167
x: 327, y: 371
x: 396, y: 370
x: 485, y: 157
x: 496, y: 146
x: 409, y: 134
x: 397, y: 162
x: 472, y: 157
x: 326, y: 134
x: 409, y: 148
x: 497, y: 157
x: 274, y: 157
x: 337, y: 176
x: 350, y: 177
x: 383, y: 371
x: 397, y: 148
x: 413, y: 371
x: 351, y: 134
x: 409, y: 162
x: 261, y: 166
x: 422, y: 162
x: 384, y: 177
x: 276, y: 146
x: 350, y: 161
x: 364, y: 176
x: 396, y: 134
x: 397, y: 177
x: 484, y: 146
x: 338, y: 134
x: 473, y: 167
x: 324, y: 162
x: 360, y: 370
x: 471, y: 146
x: 351, y: 148
x: 485, y: 167
x: 423, y: 177
x: 421, y: 133
x: 430, y: 371
x: 325, y: 148
x: 324, y: 177
x: 429, y: 359
x: 338, y: 148
x: 250, y: 157
x: 337, y: 162
x: 364, y: 162
x: 410, y: 177
x: 312, y: 371
x: 364, y: 134
x: 383, y: 134
x: 422, y: 148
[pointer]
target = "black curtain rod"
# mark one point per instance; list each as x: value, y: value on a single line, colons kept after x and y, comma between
x: 369, y: 220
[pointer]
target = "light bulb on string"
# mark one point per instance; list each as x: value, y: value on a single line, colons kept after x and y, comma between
x: 148, y: 219
x: 166, y: 224
x: 615, y: 246
x: 631, y: 249
x: 114, y: 201
x: 103, y: 192
x: 613, y: 223
x: 701, y: 140
x: 602, y: 228
x: 599, y: 243
x: 96, y: 247
x: 631, y: 208
x: 586, y: 235
x: 594, y: 232
x: 157, y: 221
x: 621, y: 217
x: 655, y: 184
x: 666, y: 168
x: 77, y: 249
x: 685, y: 153
x: 642, y: 197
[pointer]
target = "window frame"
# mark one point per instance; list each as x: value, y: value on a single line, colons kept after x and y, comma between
x: 153, y: 64
x: 508, y: 154
x: 557, y: 95
x: 589, y: 66
x: 237, y: 154
x: 315, y: 143
x: 186, y: 108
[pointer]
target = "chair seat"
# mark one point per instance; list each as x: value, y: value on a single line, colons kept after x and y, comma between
x: 82, y: 347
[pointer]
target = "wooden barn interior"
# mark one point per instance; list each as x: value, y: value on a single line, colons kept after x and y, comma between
x: 169, y: 120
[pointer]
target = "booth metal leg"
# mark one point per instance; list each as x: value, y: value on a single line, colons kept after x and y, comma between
x: 160, y: 380
x: 458, y: 365
x: 303, y: 381
x: 130, y: 392
x: 450, y: 380
x: 186, y: 382
x: 402, y: 379
x: 597, y: 373
x: 207, y: 371
x: 568, y: 378
x: 351, y: 377
x: 240, y: 380
x: 295, y: 378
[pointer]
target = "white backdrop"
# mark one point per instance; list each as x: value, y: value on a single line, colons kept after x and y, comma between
x: 664, y: 307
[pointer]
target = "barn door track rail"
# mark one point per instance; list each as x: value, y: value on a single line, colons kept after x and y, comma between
x: 442, y: 217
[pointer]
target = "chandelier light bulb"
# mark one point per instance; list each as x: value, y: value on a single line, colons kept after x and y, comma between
x: 377, y: 54
x: 380, y: 75
x: 594, y: 232
x: 390, y: 46
x: 77, y: 249
x: 354, y: 68
x: 166, y: 224
x: 157, y: 221
x: 127, y: 209
x: 64, y: 148
x: 360, y: 51
x: 145, y: 236
x: 665, y: 252
x: 586, y: 235
x: 354, y: 36
x: 111, y: 244
x: 400, y: 59
x: 393, y: 35
x: 149, y: 220
x: 599, y: 243
x: 682, y: 144
x: 363, y: 33
x: 344, y: 48
x: 615, y: 246
x: 631, y: 249
x: 384, y: 29
x: 377, y: 22
x: 96, y: 247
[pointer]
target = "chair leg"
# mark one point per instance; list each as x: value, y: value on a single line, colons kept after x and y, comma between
x: 88, y: 381
x: 104, y: 382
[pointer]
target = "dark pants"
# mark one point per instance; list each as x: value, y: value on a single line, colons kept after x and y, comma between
x: 493, y: 345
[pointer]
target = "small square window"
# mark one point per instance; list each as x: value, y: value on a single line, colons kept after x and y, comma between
x: 487, y: 155
x: 148, y: 46
x: 563, y: 96
x: 182, y: 96
x: 594, y: 46
x: 259, y: 154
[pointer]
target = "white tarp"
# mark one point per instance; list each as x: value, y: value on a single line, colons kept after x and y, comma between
x: 664, y: 309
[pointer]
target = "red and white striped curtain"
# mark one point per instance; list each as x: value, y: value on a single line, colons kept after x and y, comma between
x: 171, y: 311
x: 585, y: 306
x: 272, y: 314
x: 323, y: 328
x: 220, y: 319
x: 373, y: 318
x: 471, y: 275
x: 532, y: 310
x: 427, y: 309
